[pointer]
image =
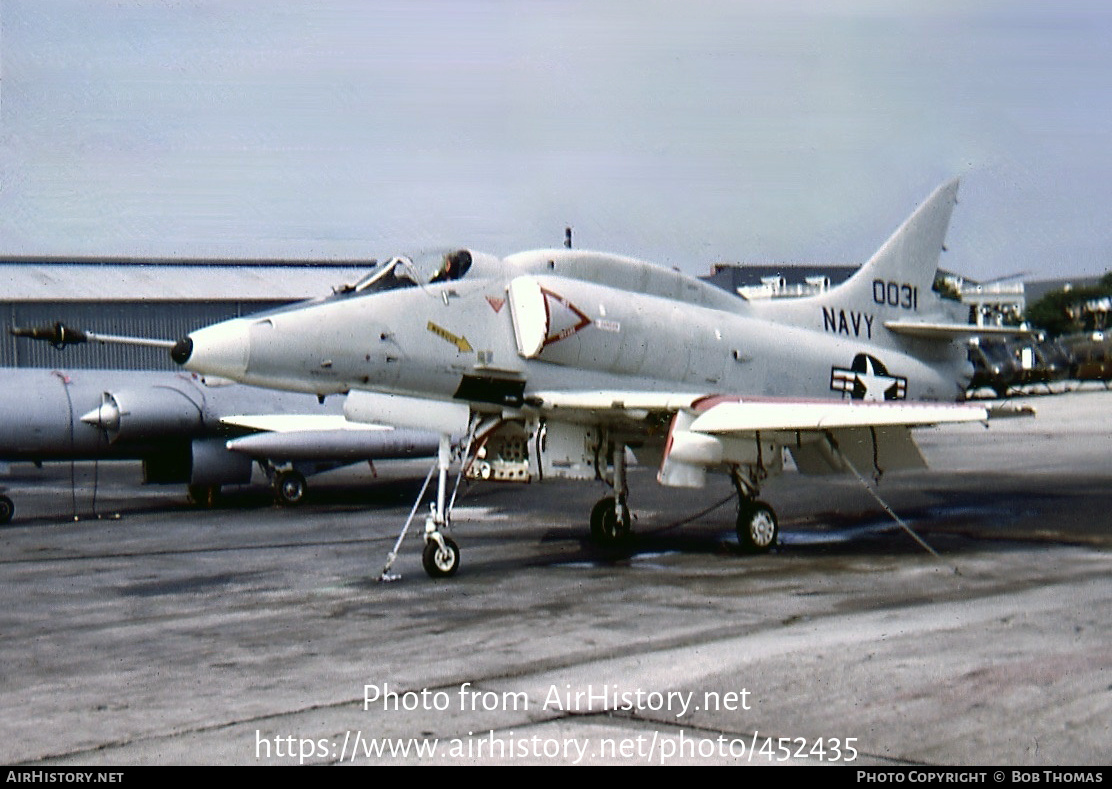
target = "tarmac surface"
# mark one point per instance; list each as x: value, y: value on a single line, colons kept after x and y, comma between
x: 158, y: 633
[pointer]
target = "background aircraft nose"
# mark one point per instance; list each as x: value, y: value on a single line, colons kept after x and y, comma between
x: 221, y: 349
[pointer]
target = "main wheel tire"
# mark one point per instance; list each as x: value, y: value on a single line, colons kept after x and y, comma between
x: 757, y: 528
x: 440, y: 562
x: 7, y: 509
x: 289, y: 488
x: 606, y: 528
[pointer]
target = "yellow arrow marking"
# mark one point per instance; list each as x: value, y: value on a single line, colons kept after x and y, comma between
x: 461, y: 343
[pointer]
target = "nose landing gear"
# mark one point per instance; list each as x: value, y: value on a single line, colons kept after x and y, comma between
x: 440, y: 556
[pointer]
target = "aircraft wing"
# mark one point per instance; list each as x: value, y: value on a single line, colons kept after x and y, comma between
x: 621, y: 409
x: 712, y: 431
x: 726, y: 414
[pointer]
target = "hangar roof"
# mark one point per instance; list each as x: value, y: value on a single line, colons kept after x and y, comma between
x: 110, y: 279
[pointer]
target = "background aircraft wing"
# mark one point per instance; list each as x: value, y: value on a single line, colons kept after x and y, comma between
x: 288, y: 423
x: 322, y: 437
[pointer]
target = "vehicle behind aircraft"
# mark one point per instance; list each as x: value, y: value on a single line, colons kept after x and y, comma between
x: 1090, y: 356
x: 1008, y: 363
x: 994, y: 365
x: 1041, y: 361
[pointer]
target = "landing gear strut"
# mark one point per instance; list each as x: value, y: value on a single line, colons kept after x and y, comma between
x: 757, y: 527
x: 441, y: 555
x: 610, y: 521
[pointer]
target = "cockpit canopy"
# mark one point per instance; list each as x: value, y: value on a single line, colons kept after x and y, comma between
x: 404, y: 272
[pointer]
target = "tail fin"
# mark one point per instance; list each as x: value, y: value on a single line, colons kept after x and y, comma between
x: 895, y: 284
x: 908, y: 259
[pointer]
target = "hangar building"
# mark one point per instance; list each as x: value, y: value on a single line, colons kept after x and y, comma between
x: 164, y: 299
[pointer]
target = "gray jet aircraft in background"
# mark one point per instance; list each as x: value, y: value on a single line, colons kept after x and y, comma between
x: 185, y: 429
x: 554, y: 362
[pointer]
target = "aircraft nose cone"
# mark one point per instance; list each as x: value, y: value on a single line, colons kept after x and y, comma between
x: 182, y: 350
x: 220, y: 350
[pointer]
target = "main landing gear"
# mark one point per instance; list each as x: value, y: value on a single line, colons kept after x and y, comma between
x: 289, y: 487
x: 757, y: 527
x: 610, y: 521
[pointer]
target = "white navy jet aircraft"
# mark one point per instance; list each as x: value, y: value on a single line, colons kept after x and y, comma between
x: 554, y: 362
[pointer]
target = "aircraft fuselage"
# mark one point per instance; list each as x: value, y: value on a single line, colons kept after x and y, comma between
x: 555, y: 320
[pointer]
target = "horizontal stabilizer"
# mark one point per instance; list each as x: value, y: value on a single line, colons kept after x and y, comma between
x: 949, y: 331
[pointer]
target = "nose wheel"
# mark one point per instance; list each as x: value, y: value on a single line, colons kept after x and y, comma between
x: 441, y: 556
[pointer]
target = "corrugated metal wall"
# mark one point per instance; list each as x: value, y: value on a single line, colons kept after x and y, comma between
x: 167, y: 320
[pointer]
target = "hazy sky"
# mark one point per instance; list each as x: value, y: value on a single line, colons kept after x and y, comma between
x: 683, y: 132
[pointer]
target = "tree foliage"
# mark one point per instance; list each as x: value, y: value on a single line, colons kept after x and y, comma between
x: 946, y: 289
x: 1063, y: 311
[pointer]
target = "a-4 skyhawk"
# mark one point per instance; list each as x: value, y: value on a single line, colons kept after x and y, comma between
x: 552, y: 363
